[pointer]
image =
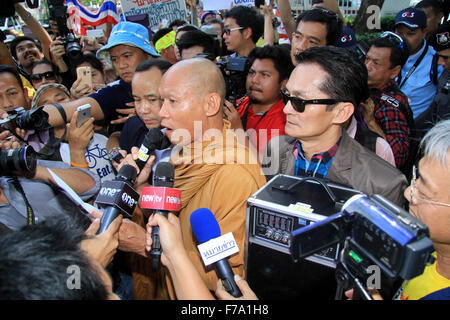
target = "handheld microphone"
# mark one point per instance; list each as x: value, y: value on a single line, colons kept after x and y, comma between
x: 215, y: 248
x: 162, y: 198
x: 152, y: 141
x: 118, y: 196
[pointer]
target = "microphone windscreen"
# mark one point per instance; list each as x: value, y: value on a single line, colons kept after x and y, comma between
x: 164, y: 175
x: 204, y: 225
x: 127, y: 173
x: 153, y: 139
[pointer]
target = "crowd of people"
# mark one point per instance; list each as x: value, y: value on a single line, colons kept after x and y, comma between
x: 240, y: 97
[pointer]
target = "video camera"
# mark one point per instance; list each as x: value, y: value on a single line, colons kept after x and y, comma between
x: 35, y: 119
x: 234, y: 70
x: 58, y: 13
x: 373, y: 231
x: 21, y: 160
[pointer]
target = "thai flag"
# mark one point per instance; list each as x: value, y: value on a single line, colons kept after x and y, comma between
x: 82, y: 16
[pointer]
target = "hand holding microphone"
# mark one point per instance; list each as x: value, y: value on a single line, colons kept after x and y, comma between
x: 214, y: 248
x: 118, y: 197
x: 162, y: 198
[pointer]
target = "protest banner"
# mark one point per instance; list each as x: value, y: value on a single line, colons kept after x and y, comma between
x: 157, y: 10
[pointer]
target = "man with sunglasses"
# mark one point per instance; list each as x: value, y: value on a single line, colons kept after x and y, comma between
x: 319, y: 97
x: 43, y: 72
x: 390, y: 115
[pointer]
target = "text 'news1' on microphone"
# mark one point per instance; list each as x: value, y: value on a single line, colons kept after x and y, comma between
x: 215, y: 248
x: 162, y: 198
x: 118, y: 196
x: 152, y: 141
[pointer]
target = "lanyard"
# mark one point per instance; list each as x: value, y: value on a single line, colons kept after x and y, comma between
x: 414, y: 67
x: 245, y: 115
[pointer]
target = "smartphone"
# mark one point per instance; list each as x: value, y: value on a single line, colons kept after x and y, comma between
x: 84, y: 73
x: 84, y: 113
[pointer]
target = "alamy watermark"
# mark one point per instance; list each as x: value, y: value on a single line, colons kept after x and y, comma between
x: 74, y: 280
x: 373, y: 21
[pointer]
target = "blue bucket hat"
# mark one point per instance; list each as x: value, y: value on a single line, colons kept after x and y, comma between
x: 130, y: 34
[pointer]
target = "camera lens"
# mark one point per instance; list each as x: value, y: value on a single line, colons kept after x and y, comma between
x: 17, y: 160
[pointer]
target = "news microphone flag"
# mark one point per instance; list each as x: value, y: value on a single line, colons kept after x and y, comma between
x: 161, y: 198
x: 82, y: 16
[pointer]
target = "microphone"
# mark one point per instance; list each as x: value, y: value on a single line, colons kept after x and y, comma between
x: 215, y: 248
x: 152, y: 141
x: 118, y: 196
x: 162, y: 198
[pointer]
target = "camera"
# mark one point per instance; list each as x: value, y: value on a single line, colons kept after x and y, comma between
x: 35, y: 119
x: 7, y: 8
x: 58, y: 13
x: 22, y: 160
x: 361, y: 49
x: 373, y: 232
x: 234, y: 70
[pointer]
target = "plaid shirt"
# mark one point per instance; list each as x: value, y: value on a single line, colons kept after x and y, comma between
x: 319, y: 164
x: 389, y: 102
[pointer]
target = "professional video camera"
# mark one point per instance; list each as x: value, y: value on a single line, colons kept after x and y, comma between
x: 35, y: 119
x: 234, y: 70
x: 22, y: 160
x: 58, y: 13
x: 7, y: 8
x: 373, y: 232
x: 361, y: 49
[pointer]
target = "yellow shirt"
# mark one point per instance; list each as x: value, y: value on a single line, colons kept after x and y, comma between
x: 28, y: 86
x: 419, y: 287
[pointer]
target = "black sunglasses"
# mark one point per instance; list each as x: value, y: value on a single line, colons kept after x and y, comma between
x: 299, y: 104
x: 49, y: 75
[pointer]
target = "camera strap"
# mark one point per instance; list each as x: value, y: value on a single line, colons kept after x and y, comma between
x: 30, y: 212
x: 414, y: 67
x: 52, y: 145
x: 245, y: 116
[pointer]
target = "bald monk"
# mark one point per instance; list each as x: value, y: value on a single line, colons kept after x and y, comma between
x: 212, y: 169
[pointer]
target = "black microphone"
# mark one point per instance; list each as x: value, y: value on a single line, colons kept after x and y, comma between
x: 205, y: 228
x: 152, y: 141
x: 118, y: 196
x: 163, y: 177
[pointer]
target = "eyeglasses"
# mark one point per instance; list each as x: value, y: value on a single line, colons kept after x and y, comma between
x: 49, y: 75
x: 415, y: 198
x: 393, y: 37
x: 299, y: 104
x: 228, y: 31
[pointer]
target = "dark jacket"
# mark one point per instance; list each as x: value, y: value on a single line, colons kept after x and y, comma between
x: 353, y: 165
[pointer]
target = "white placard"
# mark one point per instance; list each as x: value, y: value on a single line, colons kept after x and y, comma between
x: 214, y: 5
x: 157, y: 10
x: 218, y: 248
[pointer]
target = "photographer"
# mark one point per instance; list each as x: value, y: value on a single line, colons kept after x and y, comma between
x: 28, y: 196
x: 262, y: 109
x: 128, y: 46
x: 429, y: 201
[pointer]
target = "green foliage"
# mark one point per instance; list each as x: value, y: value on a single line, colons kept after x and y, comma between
x: 387, y: 23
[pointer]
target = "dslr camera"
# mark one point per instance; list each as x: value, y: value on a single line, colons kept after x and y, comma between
x: 372, y: 232
x: 234, y: 70
x: 22, y: 160
x: 35, y: 119
x: 58, y: 13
